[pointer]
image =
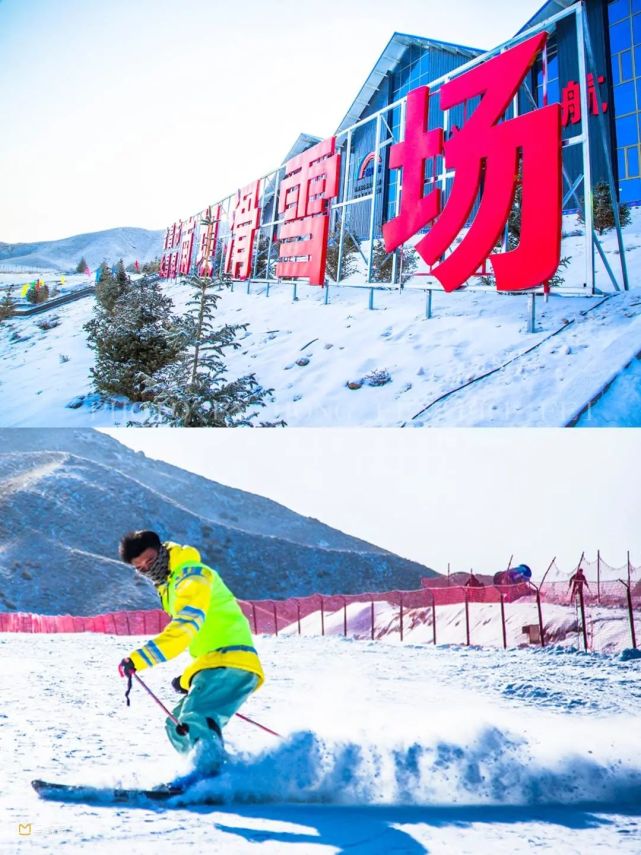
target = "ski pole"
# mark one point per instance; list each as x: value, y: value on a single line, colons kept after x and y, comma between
x: 182, y: 727
x: 158, y: 701
x: 262, y: 726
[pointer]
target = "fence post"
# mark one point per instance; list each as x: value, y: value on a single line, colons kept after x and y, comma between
x: 467, y: 620
x: 503, y: 621
x: 433, y: 620
x: 344, y: 617
x: 538, y: 606
x: 583, y: 627
x: 275, y: 620
x: 630, y: 613
x: 372, y: 620
x: 401, y: 616
x: 254, y: 616
x: 322, y: 610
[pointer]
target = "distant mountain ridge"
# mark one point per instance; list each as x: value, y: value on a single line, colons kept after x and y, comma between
x: 63, y: 255
x: 66, y: 497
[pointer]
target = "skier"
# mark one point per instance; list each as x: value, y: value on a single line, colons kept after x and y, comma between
x: 207, y: 619
x: 577, y: 581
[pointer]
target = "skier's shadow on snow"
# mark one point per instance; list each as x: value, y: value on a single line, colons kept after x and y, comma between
x: 375, y: 827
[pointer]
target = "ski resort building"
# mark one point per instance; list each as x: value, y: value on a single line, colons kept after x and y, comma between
x: 566, y: 95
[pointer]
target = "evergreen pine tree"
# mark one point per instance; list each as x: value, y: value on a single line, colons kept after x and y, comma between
x: 82, y: 265
x: 351, y: 249
x: 133, y: 339
x: 194, y: 390
x: 603, y: 209
x: 110, y: 288
x: 382, y: 262
x: 7, y: 305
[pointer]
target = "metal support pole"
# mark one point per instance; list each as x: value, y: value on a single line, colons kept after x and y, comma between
x: 586, y: 40
x: 345, y: 618
x: 372, y: 620
x: 434, y: 620
x: 538, y: 606
x: 503, y: 622
x: 401, y: 617
x: 249, y: 285
x: 254, y: 616
x: 598, y: 576
x: 326, y: 294
x: 630, y: 613
x: 322, y: 610
x: 275, y: 620
x: 467, y: 621
x: 267, y: 290
x: 298, y: 614
x: 294, y: 292
x: 584, y: 631
x: 428, y: 304
x: 341, y: 236
x: 585, y: 132
x: 370, y: 305
x: 372, y: 213
x: 531, y: 324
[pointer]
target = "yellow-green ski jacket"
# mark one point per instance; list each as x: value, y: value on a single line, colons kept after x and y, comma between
x: 205, y: 618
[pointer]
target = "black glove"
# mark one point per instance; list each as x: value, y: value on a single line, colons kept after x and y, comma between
x: 177, y: 687
x: 126, y: 668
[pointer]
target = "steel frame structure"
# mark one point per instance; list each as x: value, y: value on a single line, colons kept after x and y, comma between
x: 265, y: 243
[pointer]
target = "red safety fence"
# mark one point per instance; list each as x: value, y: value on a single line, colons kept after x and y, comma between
x: 402, y: 611
x: 113, y: 623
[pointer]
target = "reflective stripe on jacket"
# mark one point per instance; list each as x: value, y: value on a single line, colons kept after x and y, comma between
x: 206, y: 619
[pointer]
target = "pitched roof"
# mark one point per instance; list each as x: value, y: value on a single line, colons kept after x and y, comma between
x: 388, y: 60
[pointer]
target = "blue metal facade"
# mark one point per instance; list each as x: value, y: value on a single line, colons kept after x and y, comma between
x: 624, y: 25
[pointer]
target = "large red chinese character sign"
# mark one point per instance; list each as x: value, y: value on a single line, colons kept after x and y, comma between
x: 311, y: 180
x: 169, y: 260
x: 244, y: 224
x: 486, y: 150
x: 187, y: 246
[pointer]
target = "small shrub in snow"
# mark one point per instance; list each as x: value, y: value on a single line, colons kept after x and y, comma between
x: 377, y: 378
x: 37, y: 293
x: 48, y: 323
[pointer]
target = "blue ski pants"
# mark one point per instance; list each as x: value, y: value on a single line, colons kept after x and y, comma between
x: 214, y: 697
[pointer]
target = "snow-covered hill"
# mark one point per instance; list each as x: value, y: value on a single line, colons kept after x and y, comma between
x: 401, y: 748
x: 66, y: 497
x: 63, y: 255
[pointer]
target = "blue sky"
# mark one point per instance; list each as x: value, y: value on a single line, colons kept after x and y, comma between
x: 472, y: 497
x: 124, y: 113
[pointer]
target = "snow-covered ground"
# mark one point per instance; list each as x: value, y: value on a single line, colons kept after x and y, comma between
x: 607, y: 629
x: 308, y: 352
x: 386, y: 748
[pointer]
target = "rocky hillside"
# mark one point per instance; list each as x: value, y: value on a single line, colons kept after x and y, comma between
x: 66, y: 496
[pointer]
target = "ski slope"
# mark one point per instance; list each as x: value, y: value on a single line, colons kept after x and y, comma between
x: 386, y: 747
